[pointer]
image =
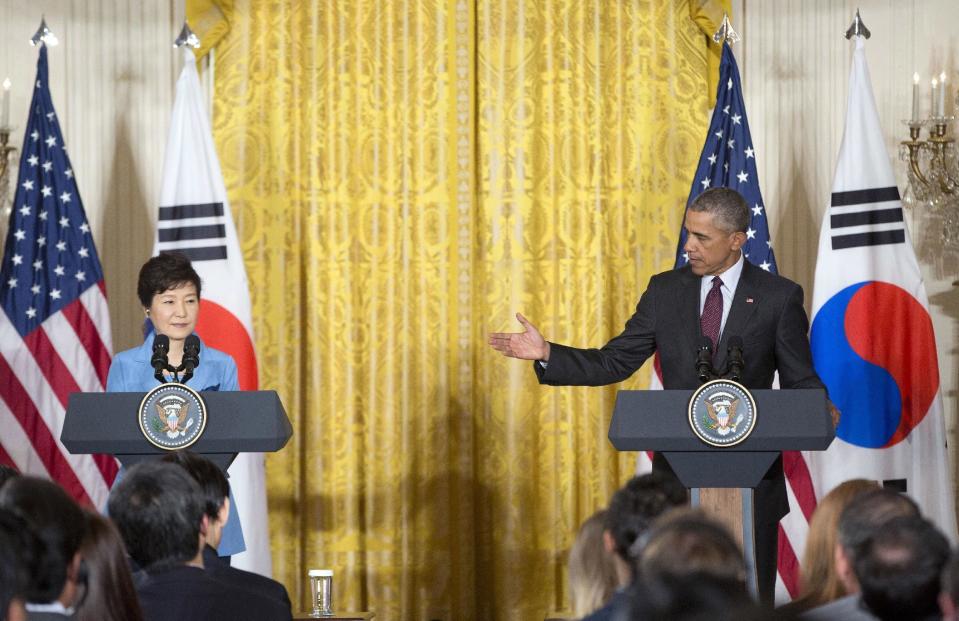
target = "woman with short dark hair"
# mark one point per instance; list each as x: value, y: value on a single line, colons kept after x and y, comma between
x: 169, y: 291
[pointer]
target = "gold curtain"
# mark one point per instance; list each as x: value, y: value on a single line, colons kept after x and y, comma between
x: 405, y: 176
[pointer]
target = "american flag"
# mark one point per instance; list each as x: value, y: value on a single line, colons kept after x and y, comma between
x: 54, y: 325
x: 728, y: 160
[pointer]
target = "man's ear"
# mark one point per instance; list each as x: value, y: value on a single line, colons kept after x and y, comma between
x: 739, y: 240
x: 205, y: 525
x: 844, y: 570
x: 947, y: 607
x: 608, y: 542
x: 73, y: 569
x: 224, y: 513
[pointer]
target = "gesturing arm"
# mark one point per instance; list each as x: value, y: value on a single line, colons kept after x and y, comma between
x: 571, y: 366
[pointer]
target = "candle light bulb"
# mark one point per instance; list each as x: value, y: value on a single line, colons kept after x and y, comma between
x: 5, y: 105
x: 915, y: 78
x: 942, y: 77
x: 935, y: 83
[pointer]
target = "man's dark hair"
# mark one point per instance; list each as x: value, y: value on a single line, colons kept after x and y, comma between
x: 635, y: 506
x: 57, y: 523
x: 691, y: 597
x: 867, y: 512
x: 18, y: 550
x: 158, y: 509
x: 167, y: 270
x: 898, y: 569
x: 688, y: 542
x: 728, y: 207
x: 209, y: 477
x: 7, y: 473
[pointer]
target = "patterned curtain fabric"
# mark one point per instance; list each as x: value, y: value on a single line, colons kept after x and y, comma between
x: 406, y: 175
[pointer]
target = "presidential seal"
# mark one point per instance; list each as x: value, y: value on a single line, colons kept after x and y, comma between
x: 172, y: 416
x: 722, y: 413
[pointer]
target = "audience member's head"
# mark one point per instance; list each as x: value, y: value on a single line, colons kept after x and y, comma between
x: 110, y: 595
x: 57, y: 523
x: 820, y: 583
x: 158, y: 510
x: 214, y: 487
x: 687, y: 542
x: 17, y: 548
x: 949, y: 589
x: 899, y: 569
x: 7, y: 473
x: 631, y: 512
x: 860, y: 520
x: 592, y: 573
x: 690, y: 567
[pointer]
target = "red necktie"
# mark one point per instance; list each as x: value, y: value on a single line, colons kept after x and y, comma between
x: 712, y: 316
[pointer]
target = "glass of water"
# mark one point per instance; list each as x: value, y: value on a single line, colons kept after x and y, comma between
x: 321, y: 592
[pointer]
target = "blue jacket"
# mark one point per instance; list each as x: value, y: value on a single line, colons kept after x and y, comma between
x: 131, y: 372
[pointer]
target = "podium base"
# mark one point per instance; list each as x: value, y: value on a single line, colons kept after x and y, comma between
x: 733, y: 507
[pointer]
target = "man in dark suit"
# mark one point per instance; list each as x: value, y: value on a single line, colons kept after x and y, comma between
x: 158, y: 510
x: 718, y: 294
x: 216, y: 505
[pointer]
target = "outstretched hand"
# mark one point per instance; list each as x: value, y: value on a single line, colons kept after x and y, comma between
x: 834, y: 413
x: 526, y: 345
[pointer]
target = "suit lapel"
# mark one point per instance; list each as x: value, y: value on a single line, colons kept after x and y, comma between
x: 745, y: 303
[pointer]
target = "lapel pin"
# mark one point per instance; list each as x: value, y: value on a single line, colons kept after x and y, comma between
x: 749, y: 300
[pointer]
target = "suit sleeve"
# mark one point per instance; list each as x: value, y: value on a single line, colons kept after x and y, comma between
x: 793, y: 356
x: 612, y: 363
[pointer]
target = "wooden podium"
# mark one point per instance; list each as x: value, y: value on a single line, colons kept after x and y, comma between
x: 721, y: 478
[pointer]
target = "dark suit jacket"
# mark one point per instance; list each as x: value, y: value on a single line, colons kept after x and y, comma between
x: 48, y: 616
x: 186, y: 593
x: 767, y: 312
x: 221, y: 570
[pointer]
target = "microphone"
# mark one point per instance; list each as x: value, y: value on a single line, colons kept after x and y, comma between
x: 191, y: 356
x: 161, y: 345
x: 704, y: 360
x: 734, y: 353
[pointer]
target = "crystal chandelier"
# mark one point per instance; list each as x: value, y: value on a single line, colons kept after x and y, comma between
x: 932, y: 165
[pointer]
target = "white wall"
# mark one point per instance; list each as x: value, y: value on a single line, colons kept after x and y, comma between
x: 795, y: 64
x: 112, y: 79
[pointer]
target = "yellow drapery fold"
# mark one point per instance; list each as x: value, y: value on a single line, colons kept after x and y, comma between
x: 405, y: 176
